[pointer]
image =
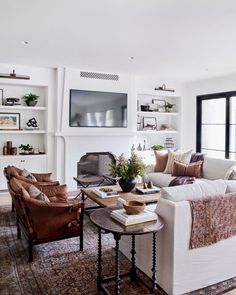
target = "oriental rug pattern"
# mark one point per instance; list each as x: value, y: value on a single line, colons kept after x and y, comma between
x: 59, y: 267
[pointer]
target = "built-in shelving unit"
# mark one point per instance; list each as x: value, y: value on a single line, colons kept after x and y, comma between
x: 37, y: 138
x: 167, y: 123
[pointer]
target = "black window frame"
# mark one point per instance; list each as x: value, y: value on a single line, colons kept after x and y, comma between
x: 200, y: 98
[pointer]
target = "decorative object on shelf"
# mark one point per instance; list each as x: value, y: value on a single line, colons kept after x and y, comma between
x: 145, y: 108
x: 139, y: 123
x: 9, y: 146
x: 163, y: 88
x: 127, y: 170
x: 139, y: 148
x: 10, y: 101
x: 169, y: 143
x: 4, y: 150
x: 13, y: 75
x: 31, y: 99
x: 32, y: 124
x: 144, y: 145
x: 169, y: 106
x: 157, y: 147
x: 149, y: 123
x: 152, y: 107
x: 26, y: 148
x: 159, y: 105
x: 9, y: 121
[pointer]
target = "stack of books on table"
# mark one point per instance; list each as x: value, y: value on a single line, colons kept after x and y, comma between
x: 146, y: 191
x: 105, y: 192
x: 121, y: 216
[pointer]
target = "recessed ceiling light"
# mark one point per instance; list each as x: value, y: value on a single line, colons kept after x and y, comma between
x: 131, y: 57
x: 206, y: 69
x: 25, y: 42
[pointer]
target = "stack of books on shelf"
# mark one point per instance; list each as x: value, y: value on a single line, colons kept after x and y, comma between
x: 105, y: 192
x: 121, y: 216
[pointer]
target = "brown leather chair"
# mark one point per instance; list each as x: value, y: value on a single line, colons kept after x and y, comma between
x: 43, y: 179
x: 41, y: 221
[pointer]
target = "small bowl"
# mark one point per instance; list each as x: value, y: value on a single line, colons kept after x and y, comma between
x: 134, y: 207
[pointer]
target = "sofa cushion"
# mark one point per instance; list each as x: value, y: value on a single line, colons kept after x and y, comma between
x: 231, y: 186
x: 35, y: 193
x: 160, y: 179
x: 194, y: 191
x: 180, y: 156
x: 25, y: 173
x: 231, y: 173
x: 161, y: 160
x: 191, y: 169
x: 216, y: 168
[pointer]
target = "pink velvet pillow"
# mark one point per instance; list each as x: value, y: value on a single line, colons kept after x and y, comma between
x: 161, y: 160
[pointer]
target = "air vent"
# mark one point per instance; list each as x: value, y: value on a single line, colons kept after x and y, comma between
x: 101, y: 76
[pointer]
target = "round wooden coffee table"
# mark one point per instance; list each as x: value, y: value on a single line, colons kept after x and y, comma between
x: 101, y: 218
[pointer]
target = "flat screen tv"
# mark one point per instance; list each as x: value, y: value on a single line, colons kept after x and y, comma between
x: 97, y: 109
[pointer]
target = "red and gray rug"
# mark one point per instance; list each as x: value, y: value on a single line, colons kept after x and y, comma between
x: 59, y: 267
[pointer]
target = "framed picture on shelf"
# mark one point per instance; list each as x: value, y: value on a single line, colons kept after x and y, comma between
x: 159, y: 105
x: 149, y: 123
x: 9, y: 121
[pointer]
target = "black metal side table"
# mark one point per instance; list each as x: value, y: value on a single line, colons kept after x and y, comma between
x: 101, y: 218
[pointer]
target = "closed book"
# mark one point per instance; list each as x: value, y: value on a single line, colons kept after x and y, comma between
x: 121, y: 216
x: 147, y: 191
x: 102, y: 194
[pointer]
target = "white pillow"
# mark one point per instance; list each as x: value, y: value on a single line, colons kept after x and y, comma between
x: 180, y: 156
x: 35, y: 193
x: 194, y: 191
x: 231, y: 186
x: 231, y: 173
x: 28, y: 175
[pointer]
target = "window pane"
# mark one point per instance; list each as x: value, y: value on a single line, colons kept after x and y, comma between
x: 213, y: 137
x: 213, y: 111
x: 214, y: 154
x: 233, y: 110
x: 232, y: 138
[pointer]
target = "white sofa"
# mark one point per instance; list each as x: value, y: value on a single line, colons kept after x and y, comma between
x: 181, y: 269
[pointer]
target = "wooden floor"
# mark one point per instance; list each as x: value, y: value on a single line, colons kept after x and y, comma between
x: 5, y: 199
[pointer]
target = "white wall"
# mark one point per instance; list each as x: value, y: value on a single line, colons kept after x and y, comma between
x: 221, y: 84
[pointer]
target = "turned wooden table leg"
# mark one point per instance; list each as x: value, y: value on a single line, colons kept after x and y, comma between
x: 117, y: 277
x: 154, y: 264
x: 99, y: 260
x: 133, y: 267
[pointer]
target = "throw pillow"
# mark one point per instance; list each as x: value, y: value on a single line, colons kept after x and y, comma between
x: 231, y: 186
x: 180, y: 156
x: 231, y: 173
x: 35, y: 193
x: 25, y: 173
x: 55, y: 193
x: 194, y: 191
x: 161, y: 160
x: 191, y: 169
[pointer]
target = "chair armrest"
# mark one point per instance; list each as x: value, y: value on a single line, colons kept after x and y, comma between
x: 42, y: 176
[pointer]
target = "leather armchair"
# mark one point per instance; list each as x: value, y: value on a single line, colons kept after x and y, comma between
x: 42, y: 221
x: 43, y: 179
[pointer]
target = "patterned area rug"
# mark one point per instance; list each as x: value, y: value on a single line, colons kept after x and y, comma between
x: 59, y: 267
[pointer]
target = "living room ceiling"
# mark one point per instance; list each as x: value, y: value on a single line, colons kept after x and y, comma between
x: 181, y: 40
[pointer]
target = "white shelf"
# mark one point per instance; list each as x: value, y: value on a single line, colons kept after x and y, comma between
x: 22, y: 132
x: 77, y: 134
x: 158, y: 113
x: 20, y: 107
x: 20, y: 156
x: 159, y: 93
x: 146, y: 132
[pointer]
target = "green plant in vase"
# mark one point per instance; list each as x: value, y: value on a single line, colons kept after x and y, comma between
x: 127, y: 170
x: 26, y: 148
x: 168, y: 106
x: 31, y: 99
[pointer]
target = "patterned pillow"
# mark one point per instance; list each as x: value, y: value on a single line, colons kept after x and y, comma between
x: 192, y: 169
x: 180, y: 156
x: 25, y: 173
x: 231, y: 173
x: 35, y: 193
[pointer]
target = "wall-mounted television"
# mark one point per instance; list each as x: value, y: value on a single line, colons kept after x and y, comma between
x: 97, y: 109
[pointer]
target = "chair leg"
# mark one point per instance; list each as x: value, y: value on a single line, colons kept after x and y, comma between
x: 81, y: 242
x: 18, y: 229
x: 12, y: 207
x: 30, y: 250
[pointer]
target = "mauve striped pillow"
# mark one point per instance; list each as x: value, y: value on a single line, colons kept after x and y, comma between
x: 192, y: 169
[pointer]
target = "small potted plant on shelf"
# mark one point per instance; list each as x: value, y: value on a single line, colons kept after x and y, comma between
x: 31, y: 99
x: 26, y: 148
x: 127, y: 170
x: 168, y: 106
